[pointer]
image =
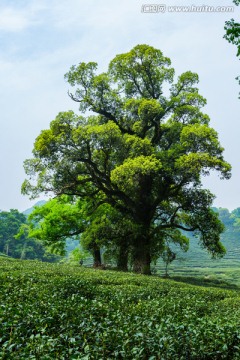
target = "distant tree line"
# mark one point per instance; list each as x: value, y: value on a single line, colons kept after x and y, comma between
x: 231, y: 221
x: 15, y: 241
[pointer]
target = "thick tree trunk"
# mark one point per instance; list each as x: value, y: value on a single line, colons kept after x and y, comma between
x: 142, y: 256
x: 143, y: 215
x: 122, y: 259
x: 97, y: 261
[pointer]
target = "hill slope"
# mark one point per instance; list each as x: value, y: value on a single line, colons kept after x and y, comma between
x: 39, y: 203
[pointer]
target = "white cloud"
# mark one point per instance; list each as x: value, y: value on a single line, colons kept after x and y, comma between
x: 13, y: 19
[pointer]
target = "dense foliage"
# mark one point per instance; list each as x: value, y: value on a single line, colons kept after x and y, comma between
x: 138, y: 161
x: 55, y: 221
x: 51, y: 311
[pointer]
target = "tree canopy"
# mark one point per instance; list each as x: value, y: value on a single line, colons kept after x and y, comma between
x: 138, y: 155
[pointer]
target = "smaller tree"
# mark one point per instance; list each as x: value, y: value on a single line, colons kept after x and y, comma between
x: 168, y: 257
x: 62, y: 218
x: 177, y: 239
x: 54, y: 222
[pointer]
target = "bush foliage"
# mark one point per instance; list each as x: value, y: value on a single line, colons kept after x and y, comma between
x: 53, y: 311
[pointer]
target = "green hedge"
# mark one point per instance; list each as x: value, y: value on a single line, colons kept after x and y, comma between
x: 50, y: 311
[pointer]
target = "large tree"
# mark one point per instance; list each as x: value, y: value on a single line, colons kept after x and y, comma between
x: 142, y: 148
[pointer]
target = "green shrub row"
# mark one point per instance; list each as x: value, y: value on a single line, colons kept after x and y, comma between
x: 50, y: 311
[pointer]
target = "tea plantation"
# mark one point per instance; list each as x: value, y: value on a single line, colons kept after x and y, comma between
x: 55, y: 311
x: 197, y: 263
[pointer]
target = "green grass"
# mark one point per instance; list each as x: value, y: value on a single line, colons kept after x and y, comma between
x: 57, y: 311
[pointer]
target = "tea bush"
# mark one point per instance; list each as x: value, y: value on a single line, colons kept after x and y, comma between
x: 55, y: 311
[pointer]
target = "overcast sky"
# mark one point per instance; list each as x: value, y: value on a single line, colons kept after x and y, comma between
x: 41, y: 39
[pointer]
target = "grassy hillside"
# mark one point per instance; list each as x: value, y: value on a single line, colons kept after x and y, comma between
x: 198, y: 263
x: 53, y: 311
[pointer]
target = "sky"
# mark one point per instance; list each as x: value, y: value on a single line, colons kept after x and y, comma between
x: 41, y: 39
